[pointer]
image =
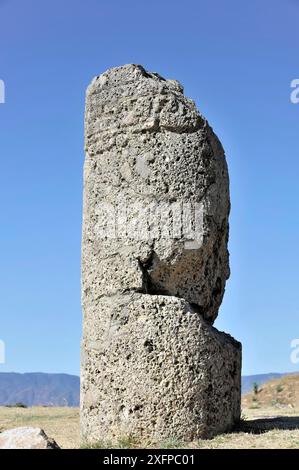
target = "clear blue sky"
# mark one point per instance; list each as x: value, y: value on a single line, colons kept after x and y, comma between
x: 236, y: 60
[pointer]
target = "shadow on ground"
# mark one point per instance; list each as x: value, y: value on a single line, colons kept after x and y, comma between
x: 261, y: 425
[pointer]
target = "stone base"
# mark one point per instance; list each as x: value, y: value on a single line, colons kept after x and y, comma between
x: 153, y: 368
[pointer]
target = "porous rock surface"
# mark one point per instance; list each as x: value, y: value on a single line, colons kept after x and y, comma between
x: 155, y: 368
x: 146, y: 143
x: 152, y: 364
x: 26, y: 438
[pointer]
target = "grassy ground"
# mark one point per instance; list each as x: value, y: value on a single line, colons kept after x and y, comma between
x: 62, y: 424
x: 260, y: 429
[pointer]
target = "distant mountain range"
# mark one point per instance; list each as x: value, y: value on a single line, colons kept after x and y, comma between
x: 37, y: 388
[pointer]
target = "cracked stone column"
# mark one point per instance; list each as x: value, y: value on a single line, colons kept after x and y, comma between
x: 154, y: 265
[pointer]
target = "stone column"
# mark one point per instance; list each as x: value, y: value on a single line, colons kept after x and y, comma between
x: 154, y: 265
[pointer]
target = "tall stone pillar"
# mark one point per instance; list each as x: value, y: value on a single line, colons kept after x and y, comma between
x: 154, y: 265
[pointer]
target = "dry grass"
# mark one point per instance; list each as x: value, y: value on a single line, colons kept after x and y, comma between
x: 279, y: 393
x: 260, y: 427
x: 63, y: 425
x: 60, y: 423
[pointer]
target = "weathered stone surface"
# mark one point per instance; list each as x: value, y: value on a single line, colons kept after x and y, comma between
x: 147, y: 144
x: 153, y: 367
x: 154, y: 265
x: 26, y: 438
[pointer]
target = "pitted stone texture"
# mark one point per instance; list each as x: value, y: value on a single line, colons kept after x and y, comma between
x: 152, y: 364
x: 146, y: 143
x: 154, y: 368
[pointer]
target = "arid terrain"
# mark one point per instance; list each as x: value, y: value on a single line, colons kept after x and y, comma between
x: 270, y: 419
